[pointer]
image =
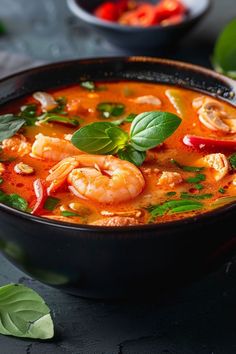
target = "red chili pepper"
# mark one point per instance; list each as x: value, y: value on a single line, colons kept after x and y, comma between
x: 200, y: 142
x: 41, y: 195
x: 107, y: 11
x: 168, y: 8
x: 143, y: 16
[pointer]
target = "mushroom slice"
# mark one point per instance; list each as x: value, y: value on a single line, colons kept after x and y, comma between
x: 149, y: 99
x: 46, y: 100
x: 211, y: 114
x: 219, y: 163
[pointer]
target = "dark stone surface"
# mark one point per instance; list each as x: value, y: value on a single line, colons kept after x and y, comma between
x: 199, y: 319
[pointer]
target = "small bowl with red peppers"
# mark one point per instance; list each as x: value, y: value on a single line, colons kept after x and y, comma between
x: 135, y: 24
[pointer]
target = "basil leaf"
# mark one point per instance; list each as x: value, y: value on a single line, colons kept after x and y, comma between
x: 68, y: 213
x: 232, y: 160
x: 14, y: 201
x: 110, y: 109
x: 100, y: 138
x: 225, y: 51
x: 51, y: 203
x: 150, y: 129
x: 9, y: 125
x: 187, y: 168
x: 174, y: 206
x: 132, y: 155
x: 186, y: 195
x: 28, y: 112
x: 23, y: 313
x: 51, y: 117
x: 88, y: 85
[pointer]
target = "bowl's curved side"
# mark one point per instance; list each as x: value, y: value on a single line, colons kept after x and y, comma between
x: 115, y: 263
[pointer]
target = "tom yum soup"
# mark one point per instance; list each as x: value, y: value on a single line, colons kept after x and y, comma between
x: 115, y: 154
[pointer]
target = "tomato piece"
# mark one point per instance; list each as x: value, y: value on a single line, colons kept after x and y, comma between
x: 107, y: 11
x: 143, y: 16
x: 201, y: 143
x: 41, y: 196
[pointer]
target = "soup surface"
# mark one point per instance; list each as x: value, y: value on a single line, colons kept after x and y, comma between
x: 129, y: 168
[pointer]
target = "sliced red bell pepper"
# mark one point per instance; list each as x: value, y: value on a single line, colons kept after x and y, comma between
x: 107, y: 11
x: 201, y: 143
x: 40, y: 191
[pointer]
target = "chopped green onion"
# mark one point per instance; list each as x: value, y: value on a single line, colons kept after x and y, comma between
x: 187, y: 168
x: 198, y: 178
x: 51, y: 203
x: 68, y: 213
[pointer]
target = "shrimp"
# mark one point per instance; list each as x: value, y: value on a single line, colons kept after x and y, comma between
x: 54, y: 149
x: 17, y: 144
x: 217, y: 162
x: 100, y: 178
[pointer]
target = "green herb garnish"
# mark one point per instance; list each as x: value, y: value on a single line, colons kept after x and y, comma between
x: 110, y: 109
x: 232, y: 160
x: 13, y: 200
x: 10, y: 125
x: 23, y: 313
x: 29, y: 113
x: 198, y: 186
x: 88, y: 85
x: 186, y: 195
x: 61, y: 105
x: 198, y: 178
x: 130, y: 154
x: 68, y: 213
x: 221, y: 190
x: 225, y: 51
x: 51, y: 203
x: 147, y: 131
x: 187, y: 168
x: 174, y: 206
x: 52, y: 117
x: 170, y: 194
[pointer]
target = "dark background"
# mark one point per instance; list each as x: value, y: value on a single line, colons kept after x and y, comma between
x: 199, y: 319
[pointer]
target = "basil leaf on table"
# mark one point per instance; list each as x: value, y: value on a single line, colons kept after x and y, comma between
x: 132, y: 155
x: 150, y: 129
x: 23, y: 313
x: 110, y: 109
x: 9, y: 125
x: 100, y: 138
x: 225, y: 51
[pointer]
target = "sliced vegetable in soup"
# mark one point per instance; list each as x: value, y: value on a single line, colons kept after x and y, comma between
x: 117, y: 154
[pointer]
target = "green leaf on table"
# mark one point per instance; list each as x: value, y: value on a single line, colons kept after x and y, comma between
x: 100, y: 138
x: 9, y: 125
x: 132, y: 155
x: 110, y: 109
x: 232, y: 160
x: 23, y: 313
x: 150, y: 129
x: 225, y: 51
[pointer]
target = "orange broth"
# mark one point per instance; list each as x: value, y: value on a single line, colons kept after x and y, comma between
x: 84, y: 103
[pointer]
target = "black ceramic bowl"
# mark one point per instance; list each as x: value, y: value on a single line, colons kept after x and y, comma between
x: 139, y: 37
x: 108, y: 262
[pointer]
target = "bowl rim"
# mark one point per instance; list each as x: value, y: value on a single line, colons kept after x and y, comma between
x: 207, y: 216
x: 93, y: 20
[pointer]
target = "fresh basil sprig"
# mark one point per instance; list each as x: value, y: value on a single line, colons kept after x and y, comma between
x: 10, y: 125
x: 100, y: 138
x: 150, y: 129
x: 225, y: 51
x: 147, y: 131
x: 23, y: 313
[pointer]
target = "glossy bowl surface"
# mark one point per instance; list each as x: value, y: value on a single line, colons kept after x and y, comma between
x: 109, y: 262
x: 139, y: 37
